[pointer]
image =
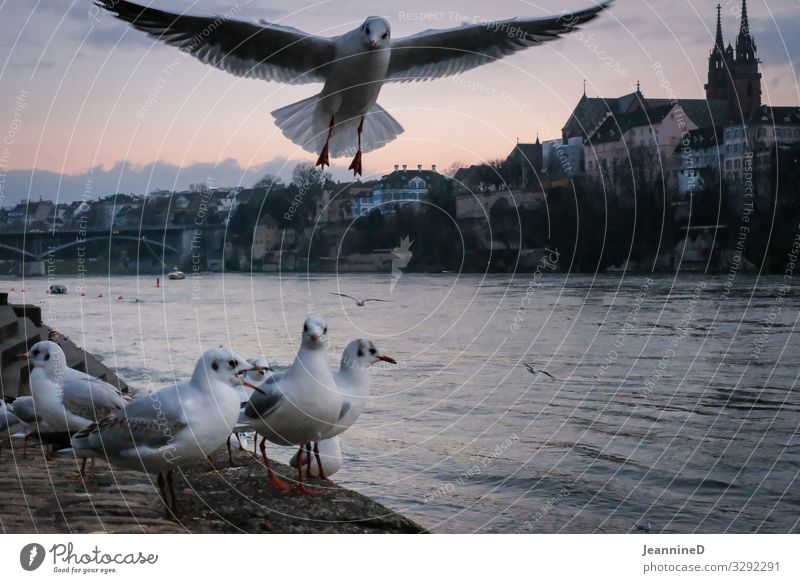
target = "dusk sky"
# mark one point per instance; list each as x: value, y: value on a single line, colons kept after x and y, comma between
x: 78, y: 85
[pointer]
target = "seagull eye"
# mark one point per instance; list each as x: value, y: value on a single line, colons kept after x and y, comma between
x: 372, y: 351
x: 47, y: 357
x: 232, y: 363
x: 214, y: 365
x: 360, y: 353
x: 36, y: 352
x: 367, y: 30
x: 385, y: 34
x: 325, y: 331
x: 305, y: 327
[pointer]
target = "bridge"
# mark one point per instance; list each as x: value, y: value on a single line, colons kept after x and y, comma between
x: 171, y: 244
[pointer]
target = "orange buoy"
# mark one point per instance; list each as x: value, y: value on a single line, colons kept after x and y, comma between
x: 120, y: 297
x: 83, y: 294
x: 99, y: 295
x: 158, y: 282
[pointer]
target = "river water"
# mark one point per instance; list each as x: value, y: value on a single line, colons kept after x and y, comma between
x: 674, y: 403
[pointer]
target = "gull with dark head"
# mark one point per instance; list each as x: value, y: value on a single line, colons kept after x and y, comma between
x: 67, y: 400
x: 175, y: 427
x: 344, y: 118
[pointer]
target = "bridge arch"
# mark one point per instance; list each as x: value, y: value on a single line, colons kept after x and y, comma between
x: 104, y: 238
x: 17, y: 250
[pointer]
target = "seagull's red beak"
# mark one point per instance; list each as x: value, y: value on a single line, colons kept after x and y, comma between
x: 21, y: 356
x: 251, y: 386
x: 385, y: 358
x: 373, y: 44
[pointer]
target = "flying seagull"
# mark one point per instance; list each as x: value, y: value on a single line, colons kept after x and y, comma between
x: 344, y: 118
x: 533, y: 370
x: 360, y: 303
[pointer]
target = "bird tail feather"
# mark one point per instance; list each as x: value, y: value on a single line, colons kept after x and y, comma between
x: 305, y: 125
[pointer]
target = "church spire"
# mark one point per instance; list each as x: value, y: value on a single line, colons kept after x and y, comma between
x: 720, y: 43
x: 745, y: 45
x: 744, y: 29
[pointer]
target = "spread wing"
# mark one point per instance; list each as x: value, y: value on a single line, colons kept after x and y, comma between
x: 441, y: 53
x: 89, y: 397
x: 268, y: 51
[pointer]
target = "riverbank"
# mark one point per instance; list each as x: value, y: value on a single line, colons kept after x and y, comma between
x: 45, y: 497
x: 48, y: 498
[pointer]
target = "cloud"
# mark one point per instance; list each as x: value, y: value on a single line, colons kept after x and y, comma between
x: 19, y: 185
x: 777, y: 40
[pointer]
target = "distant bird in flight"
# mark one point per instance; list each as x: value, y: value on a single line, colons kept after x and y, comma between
x: 534, y: 371
x: 344, y: 118
x: 360, y: 303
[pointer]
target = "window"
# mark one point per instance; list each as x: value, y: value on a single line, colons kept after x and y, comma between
x: 727, y: 164
x: 736, y: 163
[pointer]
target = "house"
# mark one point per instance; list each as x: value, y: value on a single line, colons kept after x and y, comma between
x: 749, y: 146
x: 644, y: 136
x: 524, y: 164
x: 700, y: 156
x: 265, y: 236
x: 401, y: 187
x: 338, y: 202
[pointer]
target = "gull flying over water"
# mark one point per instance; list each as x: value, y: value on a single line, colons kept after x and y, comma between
x: 537, y: 371
x: 344, y: 118
x: 360, y: 303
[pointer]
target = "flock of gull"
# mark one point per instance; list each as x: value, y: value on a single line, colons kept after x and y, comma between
x: 304, y: 405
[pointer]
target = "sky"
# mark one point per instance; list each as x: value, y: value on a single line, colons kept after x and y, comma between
x: 90, y: 106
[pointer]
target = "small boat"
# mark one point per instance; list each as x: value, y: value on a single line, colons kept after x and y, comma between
x: 57, y: 289
x: 176, y: 274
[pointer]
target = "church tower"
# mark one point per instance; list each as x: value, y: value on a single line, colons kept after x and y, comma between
x: 746, y: 76
x: 720, y: 66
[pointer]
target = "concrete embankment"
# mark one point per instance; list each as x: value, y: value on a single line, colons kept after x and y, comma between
x: 43, y: 496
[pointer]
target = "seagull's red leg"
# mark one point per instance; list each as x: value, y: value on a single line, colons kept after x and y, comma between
x: 274, y: 480
x: 322, y: 475
x: 324, y: 158
x: 302, y: 489
x: 355, y: 165
x: 25, y: 448
x: 308, y: 459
